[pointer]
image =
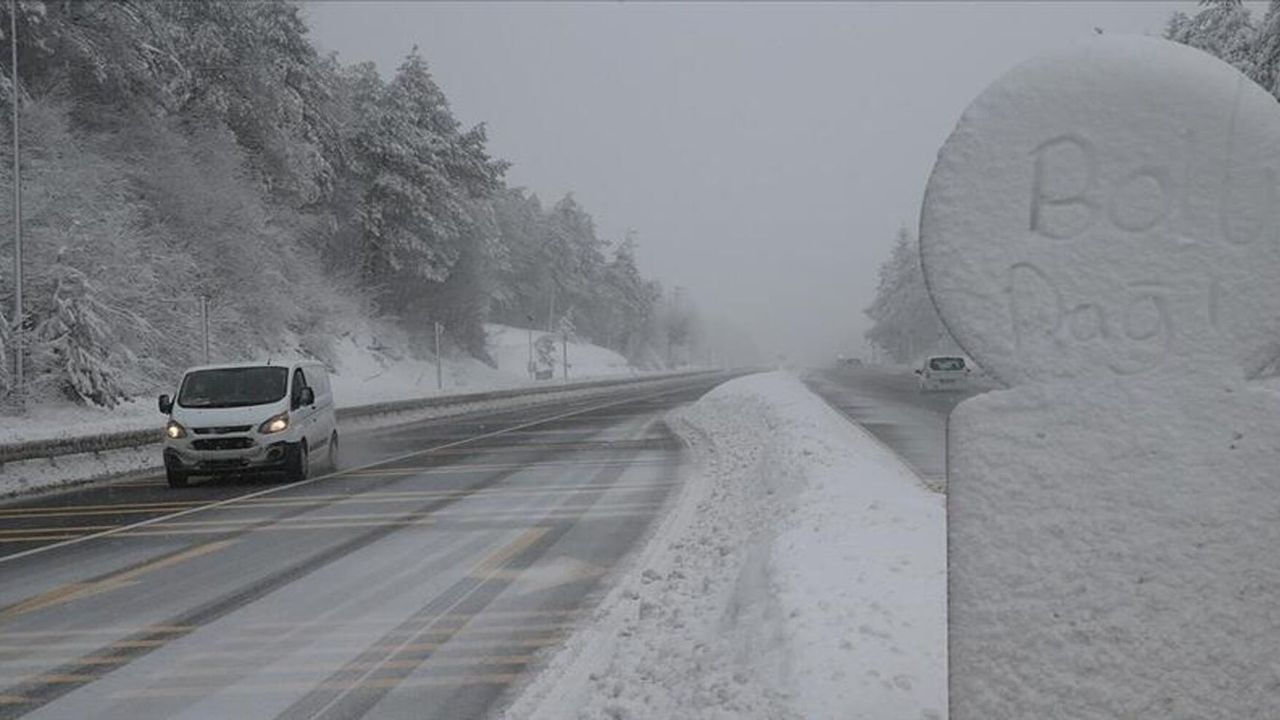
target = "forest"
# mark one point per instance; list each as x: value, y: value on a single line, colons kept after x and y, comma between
x: 180, y: 154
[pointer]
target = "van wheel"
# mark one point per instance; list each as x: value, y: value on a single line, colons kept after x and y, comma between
x: 176, y: 478
x: 299, y: 463
x: 333, y: 451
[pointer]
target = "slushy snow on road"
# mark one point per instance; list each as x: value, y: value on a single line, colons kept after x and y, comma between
x: 799, y: 573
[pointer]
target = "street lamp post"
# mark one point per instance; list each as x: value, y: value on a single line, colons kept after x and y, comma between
x: 18, y: 335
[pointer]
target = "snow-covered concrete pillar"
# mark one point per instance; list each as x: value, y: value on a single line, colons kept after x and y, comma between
x: 1102, y: 233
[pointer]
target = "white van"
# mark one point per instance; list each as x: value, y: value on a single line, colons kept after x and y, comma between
x: 249, y: 417
x: 944, y: 372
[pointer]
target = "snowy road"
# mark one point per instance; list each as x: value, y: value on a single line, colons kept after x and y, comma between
x: 418, y: 582
x: 889, y: 405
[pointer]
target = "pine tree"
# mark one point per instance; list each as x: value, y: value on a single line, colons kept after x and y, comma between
x: 74, y: 343
x: 904, y: 321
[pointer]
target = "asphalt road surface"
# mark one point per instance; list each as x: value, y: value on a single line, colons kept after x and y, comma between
x: 890, y: 405
x: 417, y: 582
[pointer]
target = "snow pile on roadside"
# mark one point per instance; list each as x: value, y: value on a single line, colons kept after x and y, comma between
x: 799, y: 574
x: 1113, y: 549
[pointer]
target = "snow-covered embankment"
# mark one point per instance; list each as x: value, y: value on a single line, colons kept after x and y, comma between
x: 800, y: 573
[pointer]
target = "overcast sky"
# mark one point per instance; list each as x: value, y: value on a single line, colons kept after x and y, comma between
x: 765, y: 154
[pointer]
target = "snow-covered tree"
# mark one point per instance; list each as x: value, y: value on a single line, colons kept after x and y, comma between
x: 175, y: 151
x: 905, y: 323
x: 73, y: 343
x: 1224, y: 29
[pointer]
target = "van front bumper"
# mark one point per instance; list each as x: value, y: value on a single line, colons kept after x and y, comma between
x: 256, y: 458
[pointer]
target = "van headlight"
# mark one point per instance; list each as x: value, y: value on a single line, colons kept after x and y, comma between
x: 275, y: 424
x: 174, y: 430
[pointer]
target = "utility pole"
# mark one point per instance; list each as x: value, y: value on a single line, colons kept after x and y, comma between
x: 564, y: 344
x: 19, y: 345
x: 204, y: 323
x: 439, y: 361
x: 530, y: 366
x: 551, y: 311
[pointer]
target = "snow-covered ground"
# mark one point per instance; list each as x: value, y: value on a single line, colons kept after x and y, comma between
x: 509, y: 348
x: 365, y: 372
x: 799, y: 573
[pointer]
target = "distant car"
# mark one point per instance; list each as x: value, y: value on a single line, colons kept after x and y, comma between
x: 249, y: 417
x: 944, y: 372
x: 843, y: 361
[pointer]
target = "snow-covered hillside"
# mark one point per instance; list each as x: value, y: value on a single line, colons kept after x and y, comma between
x: 370, y: 365
x: 509, y: 348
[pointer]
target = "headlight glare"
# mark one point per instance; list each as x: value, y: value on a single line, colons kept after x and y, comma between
x: 275, y: 424
x: 175, y: 430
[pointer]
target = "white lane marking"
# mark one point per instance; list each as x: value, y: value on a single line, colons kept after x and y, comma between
x: 308, y: 481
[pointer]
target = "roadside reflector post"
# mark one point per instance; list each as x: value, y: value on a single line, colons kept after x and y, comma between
x: 204, y: 325
x: 439, y: 360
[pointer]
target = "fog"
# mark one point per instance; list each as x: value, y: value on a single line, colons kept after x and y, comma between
x: 765, y: 155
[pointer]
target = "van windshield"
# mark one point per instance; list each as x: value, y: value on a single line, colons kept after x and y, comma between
x: 946, y: 363
x: 233, y: 387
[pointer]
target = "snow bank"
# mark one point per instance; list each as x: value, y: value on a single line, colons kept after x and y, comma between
x: 799, y: 573
x: 1113, y: 551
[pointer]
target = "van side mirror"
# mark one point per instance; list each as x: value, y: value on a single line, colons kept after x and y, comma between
x: 166, y: 404
x: 306, y: 396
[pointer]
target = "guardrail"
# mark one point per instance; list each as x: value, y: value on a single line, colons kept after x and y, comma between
x: 102, y: 442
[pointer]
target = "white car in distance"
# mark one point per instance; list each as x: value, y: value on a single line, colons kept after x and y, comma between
x: 944, y: 372
x: 247, y: 418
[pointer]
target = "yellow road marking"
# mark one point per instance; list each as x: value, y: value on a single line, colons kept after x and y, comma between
x: 76, y: 591
x: 459, y: 524
x: 98, y: 631
x: 60, y: 679
x: 72, y: 645
x: 458, y: 634
x: 38, y: 530
x: 460, y: 618
x: 503, y: 555
x: 453, y: 517
x: 329, y: 476
x: 240, y: 654
x: 455, y: 469
x: 214, y: 671
x: 222, y: 671
x: 140, y: 507
x: 363, y: 498
x: 492, y: 563
x: 496, y: 620
x: 467, y: 630
x: 374, y: 683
